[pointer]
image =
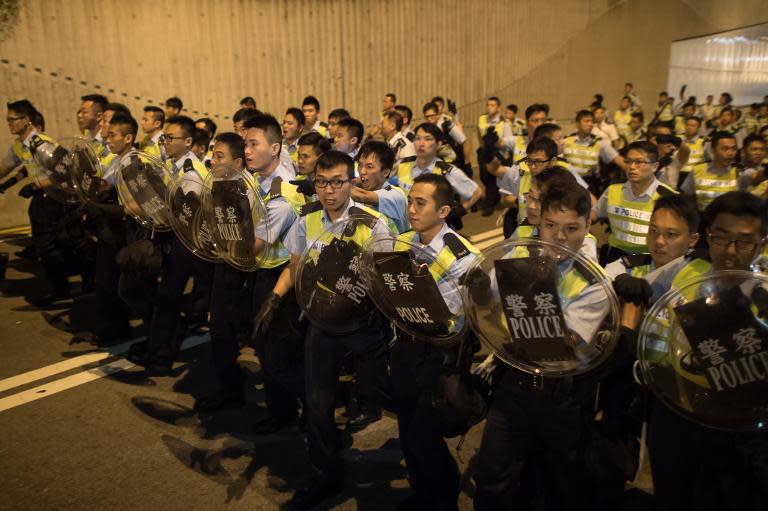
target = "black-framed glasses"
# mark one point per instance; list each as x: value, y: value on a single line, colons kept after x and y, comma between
x: 532, y: 198
x: 169, y: 138
x: 335, y: 183
x: 725, y: 241
x: 630, y: 163
x: 536, y: 163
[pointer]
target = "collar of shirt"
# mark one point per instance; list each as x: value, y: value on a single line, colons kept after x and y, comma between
x: 156, y: 137
x: 353, y: 154
x: 316, y: 126
x: 428, y: 168
x: 395, y: 138
x: 648, y: 193
x: 281, y: 171
x: 586, y: 140
x: 406, y: 130
x: 715, y: 170
x: 437, y: 243
x: 27, y: 141
x: 325, y: 220
x: 494, y: 120
x: 179, y: 163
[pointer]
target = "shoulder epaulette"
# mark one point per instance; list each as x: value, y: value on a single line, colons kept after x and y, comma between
x: 635, y: 260
x: 399, y: 145
x: 584, y: 272
x: 408, y: 159
x: 323, y: 124
x: 455, y: 245
x: 208, y: 164
x: 310, y: 208
x: 276, y: 189
x: 444, y: 166
x: 410, y: 136
x: 388, y: 187
x: 363, y: 216
x: 188, y: 165
x: 665, y: 191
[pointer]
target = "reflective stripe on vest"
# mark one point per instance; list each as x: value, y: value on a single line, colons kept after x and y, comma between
x: 696, y: 156
x: 629, y: 220
x: 405, y: 174
x: 445, y: 258
x: 278, y: 254
x: 583, y: 158
x: 710, y: 186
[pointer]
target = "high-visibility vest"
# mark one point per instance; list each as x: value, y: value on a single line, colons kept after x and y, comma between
x: 455, y: 247
x: 697, y: 153
x: 709, y: 185
x: 405, y: 171
x: 316, y: 235
x: 24, y: 153
x: 277, y: 253
x: 630, y: 219
x: 583, y: 158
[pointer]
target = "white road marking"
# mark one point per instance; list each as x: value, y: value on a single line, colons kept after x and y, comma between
x: 487, y: 243
x: 68, y: 382
x: 493, y: 233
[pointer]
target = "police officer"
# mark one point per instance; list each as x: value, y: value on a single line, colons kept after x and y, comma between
x: 293, y: 127
x: 585, y: 152
x: 392, y: 129
x: 673, y: 154
x: 311, y: 146
x: 753, y: 159
x: 152, y: 125
x: 349, y: 136
x: 173, y: 106
x: 407, y: 114
x: 511, y: 120
x: 415, y: 366
x: 242, y: 115
x: 89, y: 117
x: 428, y: 140
x: 489, y: 131
x: 664, y: 110
x: 456, y: 146
x: 603, y: 128
x: 324, y: 351
x: 513, y: 145
x: 622, y: 116
x: 628, y: 206
x: 696, y: 142
x: 310, y: 106
x: 636, y: 131
x: 375, y: 162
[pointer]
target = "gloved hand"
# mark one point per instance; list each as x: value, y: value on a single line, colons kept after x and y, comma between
x: 305, y: 186
x: 633, y: 289
x: 4, y: 187
x: 28, y: 190
x: 265, y: 315
x: 478, y: 284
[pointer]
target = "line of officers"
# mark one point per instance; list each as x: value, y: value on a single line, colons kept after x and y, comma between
x: 533, y: 451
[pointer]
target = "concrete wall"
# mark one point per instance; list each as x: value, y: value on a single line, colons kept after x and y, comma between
x: 346, y: 52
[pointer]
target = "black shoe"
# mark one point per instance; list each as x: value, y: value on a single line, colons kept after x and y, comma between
x: 152, y: 363
x: 473, y: 209
x: 321, y: 489
x: 28, y: 252
x: 219, y: 401
x: 413, y: 502
x: 47, y: 299
x: 363, y: 419
x: 270, y: 425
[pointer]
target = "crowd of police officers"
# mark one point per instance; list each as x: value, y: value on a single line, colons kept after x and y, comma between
x: 680, y: 187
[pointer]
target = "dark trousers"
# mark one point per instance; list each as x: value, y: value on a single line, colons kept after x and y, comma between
x: 491, y: 188
x: 510, y: 222
x: 530, y: 451
x: 432, y: 471
x: 280, y: 349
x: 695, y: 467
x: 113, y: 312
x: 323, y: 357
x: 45, y: 218
x: 178, y: 267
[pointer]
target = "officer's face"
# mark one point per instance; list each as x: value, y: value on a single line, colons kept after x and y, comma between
x: 509, y: 115
x: 664, y: 149
x: 116, y: 140
x: 426, y: 145
x: 388, y: 127
x: 640, y: 168
x: 175, y: 143
x: 585, y: 124
x: 624, y: 103
x: 310, y: 115
x: 533, y: 204
x: 387, y: 103
x: 148, y: 123
x: 372, y: 176
x: 291, y: 128
x: 563, y: 226
x: 307, y: 160
x: 223, y: 156
x: 239, y: 128
x: 432, y: 116
x: 727, y: 255
x: 722, y: 100
x: 599, y: 115
x: 688, y: 111
x: 725, y: 151
x: 725, y: 118
x: 662, y: 99
x: 559, y: 139
x: 692, y: 128
x: 537, y: 161
x: 88, y: 116
x: 423, y: 212
x: 17, y: 123
x: 535, y: 120
x: 343, y: 141
x: 333, y: 199
x: 635, y: 124
x: 668, y: 237
x: 333, y: 125
x: 259, y: 153
x: 492, y: 107
x: 171, y: 111
x: 755, y: 153
x: 104, y: 124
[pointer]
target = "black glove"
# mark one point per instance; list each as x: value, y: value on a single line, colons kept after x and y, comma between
x: 4, y: 187
x: 28, y: 190
x: 266, y: 312
x: 305, y: 186
x: 633, y: 289
x: 478, y: 283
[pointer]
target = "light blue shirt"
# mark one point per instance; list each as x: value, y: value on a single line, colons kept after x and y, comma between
x: 280, y: 213
x: 393, y: 204
x: 462, y: 185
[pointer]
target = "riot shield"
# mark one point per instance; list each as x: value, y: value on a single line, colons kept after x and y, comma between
x: 142, y: 186
x: 55, y: 162
x: 87, y: 174
x: 543, y: 308
x: 703, y: 350
x: 185, y: 192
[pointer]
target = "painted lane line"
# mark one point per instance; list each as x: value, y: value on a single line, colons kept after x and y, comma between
x: 485, y: 244
x: 476, y: 238
x: 77, y: 379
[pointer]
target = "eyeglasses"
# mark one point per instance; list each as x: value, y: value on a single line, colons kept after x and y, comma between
x: 169, y: 138
x: 725, y: 241
x: 536, y: 163
x: 532, y: 198
x: 335, y: 183
x: 631, y: 163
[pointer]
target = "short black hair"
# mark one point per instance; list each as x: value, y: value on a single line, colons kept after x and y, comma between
x: 128, y: 124
x: 392, y: 96
x: 174, y: 102
x: 99, y: 100
x: 437, y: 99
x: 573, y: 197
x: 752, y: 138
x: 536, y: 108
x: 405, y: 111
x: 682, y: 206
x: 118, y: 108
x: 547, y: 129
x: 512, y: 107
x: 720, y: 135
x: 554, y: 176
x: 297, y: 114
x: 311, y: 101
x: 186, y: 123
x: 158, y: 113
x: 430, y: 106
x: 209, y: 125
x: 354, y: 127
x: 201, y: 137
x: 244, y: 114
x: 545, y: 144
x: 397, y: 117
x: 738, y: 204
x: 383, y: 152
x: 319, y: 143
x: 663, y: 93
x: 584, y: 113
x: 339, y: 113
x: 695, y: 118
x: 234, y: 143
x: 248, y: 102
x: 728, y: 98
x: 645, y: 146
x: 443, y: 194
x: 495, y: 98
x: 23, y: 107
x: 430, y: 129
x: 333, y: 159
x: 38, y: 120
x: 639, y: 116
x: 269, y: 125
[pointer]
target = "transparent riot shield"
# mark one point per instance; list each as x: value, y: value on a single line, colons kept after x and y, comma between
x: 55, y: 162
x: 185, y: 192
x: 142, y: 186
